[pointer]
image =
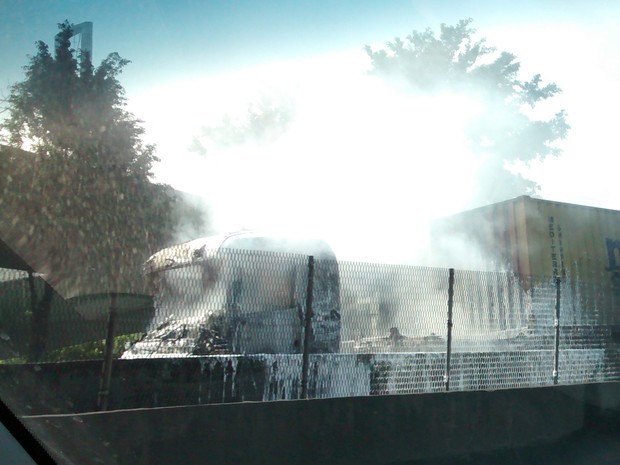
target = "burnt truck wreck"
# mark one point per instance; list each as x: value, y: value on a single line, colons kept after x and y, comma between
x: 242, y: 293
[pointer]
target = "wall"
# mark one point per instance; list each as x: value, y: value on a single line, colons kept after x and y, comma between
x: 148, y: 383
x: 363, y: 430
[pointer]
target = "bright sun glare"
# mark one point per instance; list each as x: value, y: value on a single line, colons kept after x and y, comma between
x: 357, y: 156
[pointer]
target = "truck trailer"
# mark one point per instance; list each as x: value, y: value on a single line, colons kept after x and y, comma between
x: 543, y: 240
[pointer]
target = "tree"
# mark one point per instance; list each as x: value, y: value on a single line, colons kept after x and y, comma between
x: 502, y: 133
x: 264, y: 122
x: 82, y: 206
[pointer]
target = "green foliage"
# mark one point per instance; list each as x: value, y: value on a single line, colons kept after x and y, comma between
x: 94, y: 350
x: 502, y: 133
x: 84, y: 202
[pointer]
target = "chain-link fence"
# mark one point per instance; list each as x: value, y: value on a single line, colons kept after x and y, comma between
x: 302, y: 326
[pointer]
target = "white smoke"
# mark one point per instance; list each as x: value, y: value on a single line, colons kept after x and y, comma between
x: 362, y: 165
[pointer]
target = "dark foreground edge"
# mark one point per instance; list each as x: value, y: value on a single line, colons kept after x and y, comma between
x: 360, y: 430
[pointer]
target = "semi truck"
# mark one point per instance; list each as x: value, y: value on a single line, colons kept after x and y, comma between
x: 241, y: 293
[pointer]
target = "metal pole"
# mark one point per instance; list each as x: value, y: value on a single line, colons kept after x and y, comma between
x: 556, y: 325
x: 106, y: 371
x: 446, y: 377
x: 85, y: 29
x: 307, y: 329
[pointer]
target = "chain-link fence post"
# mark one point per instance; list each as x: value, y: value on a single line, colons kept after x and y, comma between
x: 307, y: 329
x: 446, y: 377
x: 106, y: 371
x: 556, y: 325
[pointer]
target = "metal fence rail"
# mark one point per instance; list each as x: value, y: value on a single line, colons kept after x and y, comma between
x: 314, y: 327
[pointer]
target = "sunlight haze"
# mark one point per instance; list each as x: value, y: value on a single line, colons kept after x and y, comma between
x: 360, y: 162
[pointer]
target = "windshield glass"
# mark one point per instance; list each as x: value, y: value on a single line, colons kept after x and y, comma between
x: 214, y: 203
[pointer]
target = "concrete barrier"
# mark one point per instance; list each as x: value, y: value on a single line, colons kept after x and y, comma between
x: 151, y: 383
x: 360, y: 430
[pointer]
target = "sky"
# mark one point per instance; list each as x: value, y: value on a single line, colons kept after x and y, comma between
x: 362, y: 164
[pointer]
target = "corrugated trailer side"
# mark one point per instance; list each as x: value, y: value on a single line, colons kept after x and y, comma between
x: 581, y: 245
x: 542, y: 238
